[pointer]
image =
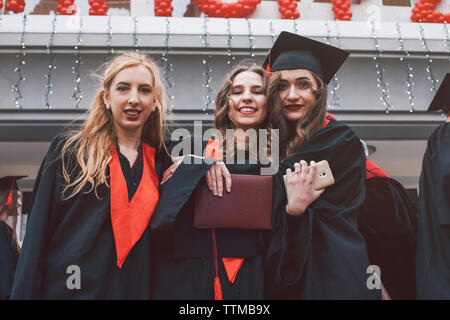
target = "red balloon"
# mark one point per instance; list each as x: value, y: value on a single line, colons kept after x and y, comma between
x: 159, y: 12
x: 296, y: 15
x: 12, y: 4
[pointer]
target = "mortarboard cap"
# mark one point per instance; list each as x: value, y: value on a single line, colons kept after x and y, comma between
x: 9, y: 183
x: 291, y: 51
x: 441, y: 99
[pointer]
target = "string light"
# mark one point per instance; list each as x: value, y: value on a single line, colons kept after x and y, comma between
x: 381, y: 83
x: 429, y: 60
x: 335, y: 100
x: 446, y: 37
x: 109, y: 39
x: 250, y: 39
x: 272, y: 32
x: 296, y: 31
x: 20, y: 62
x: 134, y: 35
x: 168, y: 67
x: 230, y: 56
x: 205, y: 61
x: 78, y: 94
x: 408, y: 68
x: 51, y: 64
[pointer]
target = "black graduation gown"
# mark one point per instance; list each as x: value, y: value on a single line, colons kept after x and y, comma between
x: 62, y: 233
x: 9, y: 254
x: 183, y: 267
x: 388, y: 222
x: 433, y: 238
x: 321, y: 254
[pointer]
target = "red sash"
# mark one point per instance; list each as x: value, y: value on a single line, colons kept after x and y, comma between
x: 129, y: 219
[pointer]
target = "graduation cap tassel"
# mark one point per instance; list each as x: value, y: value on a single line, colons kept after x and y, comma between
x: 217, y: 287
x: 9, y: 201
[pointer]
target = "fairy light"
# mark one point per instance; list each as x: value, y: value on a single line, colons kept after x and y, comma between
x: 78, y: 94
x: 134, y: 35
x: 429, y: 60
x: 51, y: 64
x: 381, y: 83
x: 20, y: 63
x: 109, y: 39
x: 272, y: 32
x: 296, y: 31
x: 408, y: 68
x: 251, y: 39
x: 446, y: 37
x: 205, y: 61
x: 168, y: 67
x: 335, y: 100
x: 230, y: 56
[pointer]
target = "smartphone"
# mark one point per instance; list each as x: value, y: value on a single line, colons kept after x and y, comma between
x: 323, y: 177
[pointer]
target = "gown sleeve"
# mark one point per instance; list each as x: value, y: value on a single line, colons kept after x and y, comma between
x: 27, y: 280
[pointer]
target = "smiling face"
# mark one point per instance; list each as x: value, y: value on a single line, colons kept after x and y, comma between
x: 131, y: 97
x: 247, y: 100
x: 296, y: 93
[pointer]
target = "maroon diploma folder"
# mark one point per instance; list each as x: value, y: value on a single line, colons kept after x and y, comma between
x: 247, y: 206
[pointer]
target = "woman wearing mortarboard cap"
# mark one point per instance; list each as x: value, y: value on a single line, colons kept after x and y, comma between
x: 316, y: 251
x: 433, y: 236
x: 9, y: 246
x: 88, y: 231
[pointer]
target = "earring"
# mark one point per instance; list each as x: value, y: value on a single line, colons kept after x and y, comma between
x: 108, y: 106
x: 154, y: 108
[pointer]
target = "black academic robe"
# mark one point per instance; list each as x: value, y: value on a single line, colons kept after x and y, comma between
x: 433, y: 239
x: 183, y: 267
x: 66, y: 237
x: 9, y: 253
x: 388, y: 222
x: 321, y: 254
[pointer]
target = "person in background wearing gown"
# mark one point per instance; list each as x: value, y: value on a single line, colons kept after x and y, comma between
x: 433, y: 238
x: 10, y: 204
x: 87, y: 235
x: 316, y: 250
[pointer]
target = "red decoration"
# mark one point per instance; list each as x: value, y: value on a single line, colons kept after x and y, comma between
x: 423, y: 11
x: 98, y: 8
x: 163, y: 8
x: 216, y: 8
x: 15, y: 6
x: 341, y: 9
x: 1, y: 4
x: 288, y: 9
x: 66, y: 7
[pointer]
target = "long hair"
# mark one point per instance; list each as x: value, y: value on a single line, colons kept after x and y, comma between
x: 293, y: 137
x: 90, y: 145
x: 223, y: 102
x: 10, y: 211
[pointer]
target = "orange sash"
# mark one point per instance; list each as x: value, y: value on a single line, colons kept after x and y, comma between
x: 129, y: 219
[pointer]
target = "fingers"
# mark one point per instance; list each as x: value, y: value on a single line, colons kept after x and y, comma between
x: 297, y: 167
x: 304, y: 170
x: 227, y: 176
x: 212, y: 173
x: 208, y: 180
x: 219, y: 180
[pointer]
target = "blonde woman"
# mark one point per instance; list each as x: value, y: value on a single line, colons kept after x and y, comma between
x: 88, y: 235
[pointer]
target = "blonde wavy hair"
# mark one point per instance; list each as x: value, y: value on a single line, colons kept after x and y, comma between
x: 222, y: 119
x: 91, y: 144
x: 293, y: 137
